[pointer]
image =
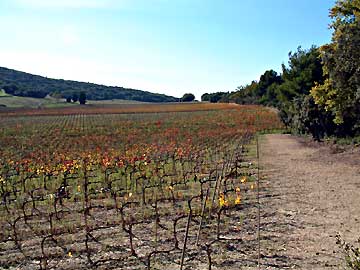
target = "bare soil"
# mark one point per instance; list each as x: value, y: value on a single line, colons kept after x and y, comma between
x: 310, y: 193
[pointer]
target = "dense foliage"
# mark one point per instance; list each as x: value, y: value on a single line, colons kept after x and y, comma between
x: 214, y: 97
x: 24, y: 84
x: 318, y: 91
x: 289, y: 92
x: 340, y: 93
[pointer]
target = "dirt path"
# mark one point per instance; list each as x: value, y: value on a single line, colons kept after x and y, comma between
x: 311, y: 194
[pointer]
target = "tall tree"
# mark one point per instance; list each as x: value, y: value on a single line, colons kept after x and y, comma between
x: 304, y: 69
x: 265, y: 90
x: 75, y: 97
x: 340, y: 93
x: 267, y: 79
x: 82, y: 98
x: 297, y: 107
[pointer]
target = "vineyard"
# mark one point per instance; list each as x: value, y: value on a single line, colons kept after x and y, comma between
x: 145, y: 188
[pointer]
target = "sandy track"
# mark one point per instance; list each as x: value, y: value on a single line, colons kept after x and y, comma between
x: 310, y: 194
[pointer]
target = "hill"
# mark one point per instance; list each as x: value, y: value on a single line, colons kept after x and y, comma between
x: 23, y: 84
x: 11, y: 101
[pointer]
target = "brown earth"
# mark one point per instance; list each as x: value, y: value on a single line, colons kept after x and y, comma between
x: 310, y: 193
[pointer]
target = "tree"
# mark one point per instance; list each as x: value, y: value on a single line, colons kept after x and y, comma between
x: 266, y: 80
x: 305, y: 68
x: 304, y: 116
x: 245, y: 94
x: 216, y: 97
x: 75, y: 97
x: 290, y: 93
x: 205, y: 97
x: 82, y: 98
x: 10, y: 89
x: 188, y: 97
x: 340, y: 93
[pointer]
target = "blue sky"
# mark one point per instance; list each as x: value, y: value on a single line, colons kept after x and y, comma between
x: 164, y: 46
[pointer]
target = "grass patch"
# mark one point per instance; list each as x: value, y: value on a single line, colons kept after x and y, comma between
x: 28, y: 102
x: 3, y: 93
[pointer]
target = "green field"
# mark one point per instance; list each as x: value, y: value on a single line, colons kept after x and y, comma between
x: 3, y: 94
x: 10, y: 101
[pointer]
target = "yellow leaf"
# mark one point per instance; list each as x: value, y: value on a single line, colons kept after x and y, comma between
x: 222, y: 201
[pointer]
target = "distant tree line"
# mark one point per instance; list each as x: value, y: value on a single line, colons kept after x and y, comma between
x: 318, y: 92
x: 24, y: 84
x: 215, y: 97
